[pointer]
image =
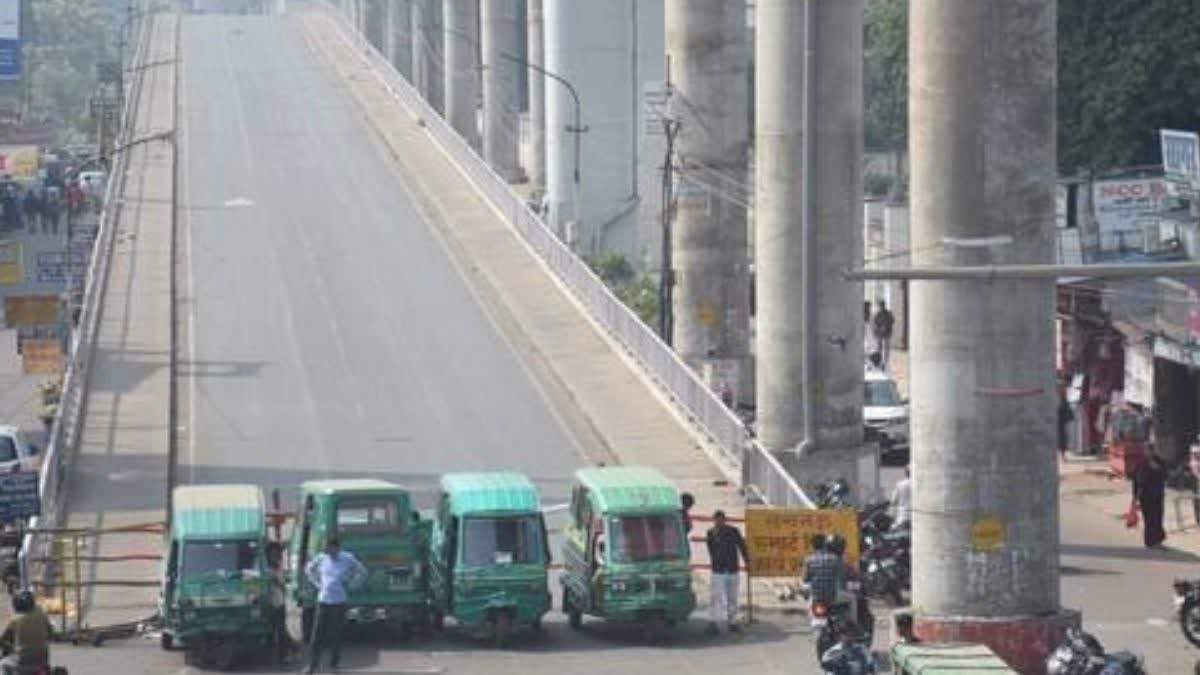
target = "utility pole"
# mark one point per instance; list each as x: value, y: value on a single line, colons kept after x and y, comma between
x: 985, y: 513
x: 708, y: 49
x: 808, y: 206
x: 501, y: 95
x: 462, y: 71
x: 535, y: 35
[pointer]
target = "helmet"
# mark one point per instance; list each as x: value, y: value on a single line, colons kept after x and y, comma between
x: 836, y: 544
x: 22, y: 601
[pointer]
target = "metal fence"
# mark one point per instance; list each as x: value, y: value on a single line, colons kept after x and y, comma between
x: 68, y: 420
x: 729, y: 443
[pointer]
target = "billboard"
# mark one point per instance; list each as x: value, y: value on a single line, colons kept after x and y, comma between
x: 10, y: 39
x: 1181, y: 155
x: 12, y: 265
x: 19, y: 161
x: 1120, y: 204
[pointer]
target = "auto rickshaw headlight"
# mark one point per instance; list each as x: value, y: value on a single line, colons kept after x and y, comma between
x: 618, y: 586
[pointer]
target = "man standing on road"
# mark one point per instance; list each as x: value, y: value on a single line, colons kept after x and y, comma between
x: 334, y: 573
x: 882, y: 325
x: 28, y: 635
x: 901, y: 506
x: 725, y: 543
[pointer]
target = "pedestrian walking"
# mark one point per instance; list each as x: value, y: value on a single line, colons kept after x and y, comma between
x: 33, y: 209
x: 881, y: 327
x: 1149, y: 484
x: 76, y: 199
x: 334, y: 573
x: 725, y: 543
x: 12, y: 210
x: 52, y: 211
x: 686, y: 502
x: 1065, y: 417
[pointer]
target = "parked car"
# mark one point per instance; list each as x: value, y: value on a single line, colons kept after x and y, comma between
x: 16, y: 452
x: 885, y: 415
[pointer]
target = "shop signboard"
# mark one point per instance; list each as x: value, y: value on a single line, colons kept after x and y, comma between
x: 1120, y: 205
x: 1139, y: 376
x: 19, y: 161
x: 12, y: 265
x: 1181, y: 156
x: 19, y: 495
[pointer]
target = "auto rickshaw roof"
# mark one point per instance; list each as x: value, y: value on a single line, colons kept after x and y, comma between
x: 629, y: 489
x: 948, y: 659
x: 218, y: 512
x: 351, y: 486
x: 490, y: 493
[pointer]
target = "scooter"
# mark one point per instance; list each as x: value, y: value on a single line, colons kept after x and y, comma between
x: 831, y: 622
x: 1187, y: 604
x: 1082, y: 654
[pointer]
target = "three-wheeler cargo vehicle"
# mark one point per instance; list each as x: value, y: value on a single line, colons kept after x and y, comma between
x: 375, y: 521
x: 220, y: 599
x: 489, y: 554
x: 947, y: 659
x: 626, y: 555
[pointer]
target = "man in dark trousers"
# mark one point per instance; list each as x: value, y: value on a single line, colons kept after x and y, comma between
x: 881, y: 326
x: 725, y: 543
x: 334, y: 573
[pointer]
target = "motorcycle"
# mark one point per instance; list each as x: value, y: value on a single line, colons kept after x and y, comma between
x: 831, y: 622
x: 1082, y: 654
x: 882, y: 576
x: 834, y: 494
x: 1187, y: 604
x: 848, y: 659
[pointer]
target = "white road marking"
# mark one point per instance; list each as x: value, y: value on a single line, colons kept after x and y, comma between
x: 239, y: 202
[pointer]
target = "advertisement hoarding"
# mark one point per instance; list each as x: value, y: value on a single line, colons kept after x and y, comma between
x: 1181, y: 155
x: 19, y: 161
x: 1120, y: 205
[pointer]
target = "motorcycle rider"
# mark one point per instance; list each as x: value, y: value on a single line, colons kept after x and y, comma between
x: 822, y: 573
x: 28, y: 637
x: 836, y: 545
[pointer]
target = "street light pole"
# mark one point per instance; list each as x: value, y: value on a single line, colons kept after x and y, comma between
x: 577, y: 128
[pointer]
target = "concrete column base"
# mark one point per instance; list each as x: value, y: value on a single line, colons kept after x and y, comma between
x: 859, y: 466
x: 1023, y: 642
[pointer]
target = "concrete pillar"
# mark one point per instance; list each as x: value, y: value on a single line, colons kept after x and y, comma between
x: 428, y: 58
x: 708, y: 49
x: 792, y: 273
x: 535, y: 34
x: 462, y: 71
x: 400, y: 33
x: 985, y: 514
x: 501, y: 95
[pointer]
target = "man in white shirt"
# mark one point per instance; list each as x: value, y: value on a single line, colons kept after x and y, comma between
x: 334, y: 573
x: 901, y: 505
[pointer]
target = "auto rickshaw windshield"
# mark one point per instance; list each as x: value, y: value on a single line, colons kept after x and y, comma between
x: 202, y: 558
x: 505, y: 540
x: 369, y: 515
x: 648, y: 538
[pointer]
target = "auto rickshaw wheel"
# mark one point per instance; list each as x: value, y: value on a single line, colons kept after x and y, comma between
x: 224, y: 655
x: 437, y: 620
x: 166, y: 641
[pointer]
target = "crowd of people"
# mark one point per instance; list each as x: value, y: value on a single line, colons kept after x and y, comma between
x: 42, y: 205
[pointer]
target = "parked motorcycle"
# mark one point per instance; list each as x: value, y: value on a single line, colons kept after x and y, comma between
x: 1187, y: 603
x: 848, y: 659
x: 1082, y: 654
x: 883, y: 576
x: 831, y: 622
x: 834, y: 494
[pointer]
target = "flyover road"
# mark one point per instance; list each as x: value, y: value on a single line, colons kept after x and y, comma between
x: 325, y: 331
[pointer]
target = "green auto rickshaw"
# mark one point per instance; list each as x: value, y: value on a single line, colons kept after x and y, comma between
x: 489, y: 554
x: 220, y: 599
x: 375, y: 521
x: 626, y: 554
x: 947, y: 659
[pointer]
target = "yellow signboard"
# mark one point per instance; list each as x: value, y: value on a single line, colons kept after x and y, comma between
x: 778, y: 539
x: 19, y: 161
x: 12, y: 268
x: 42, y: 356
x: 30, y: 310
x: 988, y: 534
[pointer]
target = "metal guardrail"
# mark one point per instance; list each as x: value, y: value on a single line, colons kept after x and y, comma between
x: 68, y: 420
x: 730, y: 444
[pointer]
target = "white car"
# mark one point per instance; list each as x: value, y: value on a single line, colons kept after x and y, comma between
x: 885, y: 414
x: 16, y: 452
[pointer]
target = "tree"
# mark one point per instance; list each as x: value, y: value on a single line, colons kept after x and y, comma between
x: 64, y: 44
x: 1127, y: 68
x: 885, y: 80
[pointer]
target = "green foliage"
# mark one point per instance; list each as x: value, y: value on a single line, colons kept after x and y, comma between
x: 637, y: 292
x: 1126, y: 69
x: 64, y: 43
x: 885, y: 75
